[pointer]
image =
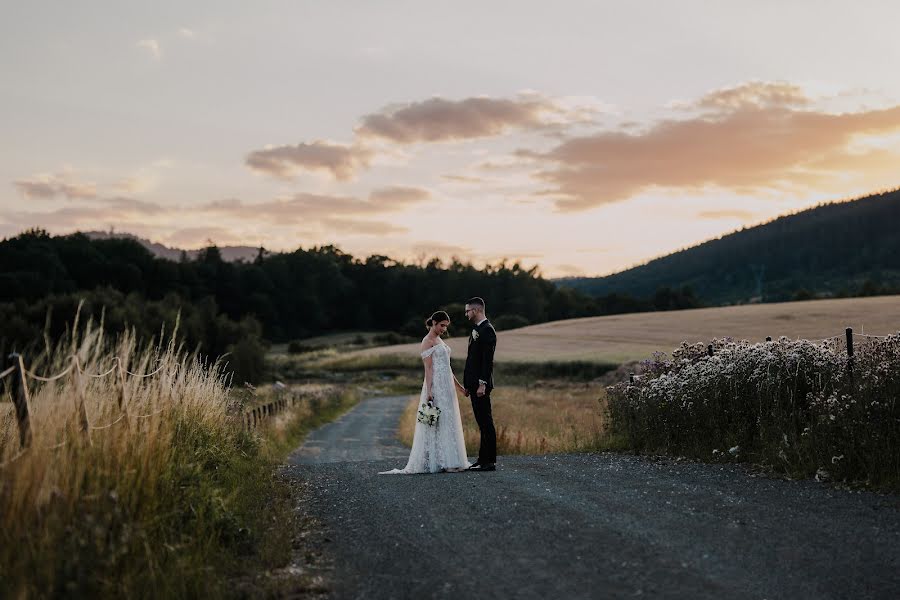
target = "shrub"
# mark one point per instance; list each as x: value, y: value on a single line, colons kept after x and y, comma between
x: 801, y: 406
x: 506, y: 322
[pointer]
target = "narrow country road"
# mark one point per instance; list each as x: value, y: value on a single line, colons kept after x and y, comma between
x: 586, y: 526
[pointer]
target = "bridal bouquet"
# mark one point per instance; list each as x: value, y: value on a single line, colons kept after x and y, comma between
x: 428, y: 414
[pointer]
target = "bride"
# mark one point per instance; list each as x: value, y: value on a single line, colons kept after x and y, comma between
x: 439, y: 447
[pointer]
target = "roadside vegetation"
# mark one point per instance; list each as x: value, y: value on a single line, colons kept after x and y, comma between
x: 164, y: 493
x: 803, y: 408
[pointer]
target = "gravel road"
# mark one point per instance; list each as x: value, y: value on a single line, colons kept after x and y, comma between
x: 586, y: 526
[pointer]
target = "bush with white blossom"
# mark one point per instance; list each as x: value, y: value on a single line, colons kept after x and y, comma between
x: 804, y: 407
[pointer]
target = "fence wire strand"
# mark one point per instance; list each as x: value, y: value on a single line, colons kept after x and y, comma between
x: 54, y: 377
x: 156, y: 412
x: 146, y: 375
x: 101, y: 375
x: 14, y: 458
x: 108, y: 425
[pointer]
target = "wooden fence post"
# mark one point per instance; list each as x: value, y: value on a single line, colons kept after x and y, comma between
x: 709, y: 350
x: 83, y: 423
x: 849, y: 332
x: 631, y: 378
x: 19, y: 393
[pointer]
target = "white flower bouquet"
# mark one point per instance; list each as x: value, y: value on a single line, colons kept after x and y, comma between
x: 428, y: 414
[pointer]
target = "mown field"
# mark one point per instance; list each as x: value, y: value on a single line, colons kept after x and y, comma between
x: 621, y: 338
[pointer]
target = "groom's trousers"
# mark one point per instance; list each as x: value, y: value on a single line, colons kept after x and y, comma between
x: 487, y: 452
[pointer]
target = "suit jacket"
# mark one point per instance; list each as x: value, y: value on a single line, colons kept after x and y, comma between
x: 480, y: 357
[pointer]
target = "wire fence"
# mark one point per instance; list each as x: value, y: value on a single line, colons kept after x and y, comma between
x: 22, y: 378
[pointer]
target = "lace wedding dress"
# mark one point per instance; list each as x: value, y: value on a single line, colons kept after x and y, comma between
x: 442, y: 446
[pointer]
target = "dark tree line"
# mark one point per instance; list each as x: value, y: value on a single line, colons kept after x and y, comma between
x: 231, y: 307
x: 841, y: 249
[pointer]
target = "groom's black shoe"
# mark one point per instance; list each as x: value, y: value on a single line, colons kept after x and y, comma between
x: 474, y: 466
x: 485, y: 467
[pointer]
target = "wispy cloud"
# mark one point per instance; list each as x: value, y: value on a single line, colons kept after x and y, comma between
x: 47, y: 186
x: 346, y: 214
x: 730, y: 214
x: 284, y: 161
x: 468, y: 179
x: 305, y: 207
x: 750, y: 138
x: 118, y: 211
x: 398, y: 196
x: 152, y: 47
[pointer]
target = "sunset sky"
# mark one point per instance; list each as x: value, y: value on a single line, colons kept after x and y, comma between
x: 584, y: 137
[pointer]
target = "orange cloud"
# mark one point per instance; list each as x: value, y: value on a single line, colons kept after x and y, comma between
x: 754, y: 140
x: 439, y: 120
x: 284, y: 161
x: 754, y: 94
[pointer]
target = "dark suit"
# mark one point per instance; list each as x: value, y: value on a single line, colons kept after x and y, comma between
x: 480, y: 365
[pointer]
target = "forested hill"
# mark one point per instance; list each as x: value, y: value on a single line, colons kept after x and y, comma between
x: 846, y: 248
x: 287, y: 295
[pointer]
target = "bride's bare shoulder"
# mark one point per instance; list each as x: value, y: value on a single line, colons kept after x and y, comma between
x: 428, y: 343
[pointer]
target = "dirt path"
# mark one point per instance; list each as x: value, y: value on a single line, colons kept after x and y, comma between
x: 368, y: 432
x: 587, y: 526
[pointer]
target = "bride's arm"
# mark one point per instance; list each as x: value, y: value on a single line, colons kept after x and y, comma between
x: 429, y: 372
x: 460, y: 387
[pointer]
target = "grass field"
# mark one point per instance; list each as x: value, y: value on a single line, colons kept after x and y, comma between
x: 536, y: 419
x: 620, y: 338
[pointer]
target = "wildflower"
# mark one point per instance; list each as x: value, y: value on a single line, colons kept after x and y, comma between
x: 733, y: 451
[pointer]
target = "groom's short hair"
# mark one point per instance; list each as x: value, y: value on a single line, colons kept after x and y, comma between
x: 476, y: 301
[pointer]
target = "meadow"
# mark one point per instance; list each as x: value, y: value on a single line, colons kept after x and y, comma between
x: 137, y: 486
x: 799, y: 406
x: 616, y: 339
x: 548, y: 416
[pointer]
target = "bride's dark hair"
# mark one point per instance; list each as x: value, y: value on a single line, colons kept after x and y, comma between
x: 437, y: 318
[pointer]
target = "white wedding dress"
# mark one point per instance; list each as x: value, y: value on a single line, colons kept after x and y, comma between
x: 442, y: 446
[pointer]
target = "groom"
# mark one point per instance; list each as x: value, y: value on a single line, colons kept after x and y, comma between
x: 478, y: 380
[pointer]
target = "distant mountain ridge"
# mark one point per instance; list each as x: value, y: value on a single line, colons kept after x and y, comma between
x: 829, y: 250
x: 229, y: 253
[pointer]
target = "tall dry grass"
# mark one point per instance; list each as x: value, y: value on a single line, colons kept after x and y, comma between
x: 535, y: 419
x: 146, y: 502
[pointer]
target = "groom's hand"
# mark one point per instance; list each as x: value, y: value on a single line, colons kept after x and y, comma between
x: 481, y: 390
